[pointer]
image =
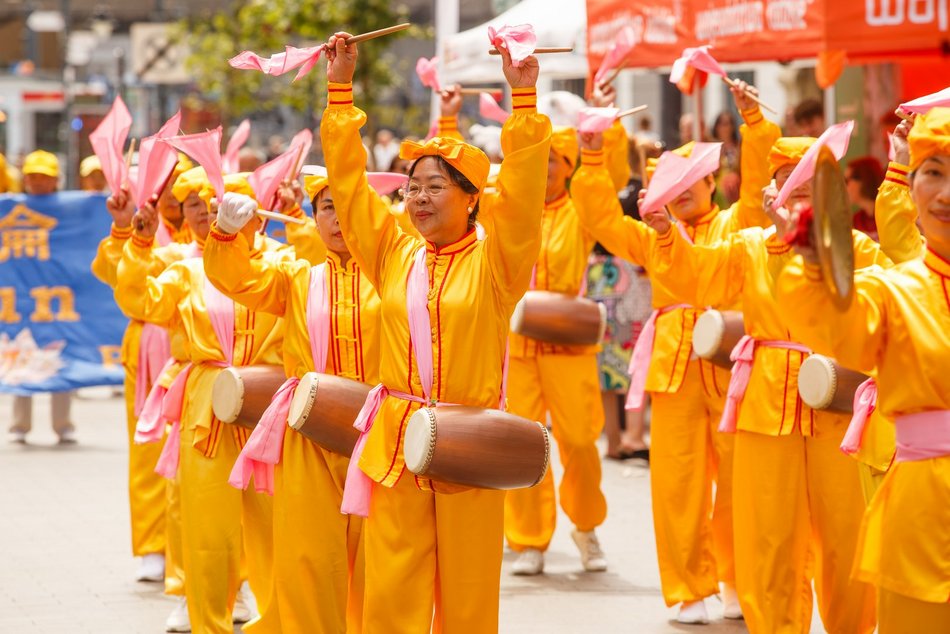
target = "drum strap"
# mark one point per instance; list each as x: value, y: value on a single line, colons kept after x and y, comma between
x: 865, y: 402
x: 743, y: 356
x: 640, y: 359
x: 154, y: 351
x: 923, y: 435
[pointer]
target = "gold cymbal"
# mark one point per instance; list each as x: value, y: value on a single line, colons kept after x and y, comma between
x: 831, y: 229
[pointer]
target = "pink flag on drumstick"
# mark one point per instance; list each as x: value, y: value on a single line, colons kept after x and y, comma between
x: 266, y: 179
x: 303, y: 59
x: 107, y: 141
x: 622, y: 45
x: 157, y: 161
x: 205, y: 148
x: 386, y: 182
x: 428, y: 72
x: 675, y: 174
x: 489, y: 108
x: 596, y: 119
x: 520, y: 41
x: 924, y: 104
x: 235, y: 143
x: 836, y: 138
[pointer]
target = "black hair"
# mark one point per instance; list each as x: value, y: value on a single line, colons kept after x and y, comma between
x: 808, y: 110
x: 457, y: 177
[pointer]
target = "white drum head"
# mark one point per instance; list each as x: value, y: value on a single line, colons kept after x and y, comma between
x: 708, y: 333
x: 227, y: 395
x: 517, y: 317
x: 303, y: 399
x: 817, y: 381
x: 420, y: 441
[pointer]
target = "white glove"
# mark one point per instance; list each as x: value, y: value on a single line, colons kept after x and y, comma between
x: 235, y: 211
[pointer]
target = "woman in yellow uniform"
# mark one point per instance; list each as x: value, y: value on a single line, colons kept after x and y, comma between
x: 427, y: 550
x: 693, y: 529
x: 898, y: 323
x: 797, y: 499
x: 214, y: 517
x: 318, y: 562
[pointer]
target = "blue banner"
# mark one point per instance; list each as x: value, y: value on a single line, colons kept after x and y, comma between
x: 60, y: 328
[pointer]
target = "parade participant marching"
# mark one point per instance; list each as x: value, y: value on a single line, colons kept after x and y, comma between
x: 429, y: 552
x: 331, y: 317
x: 898, y: 325
x: 797, y: 499
x: 214, y: 517
x: 694, y: 532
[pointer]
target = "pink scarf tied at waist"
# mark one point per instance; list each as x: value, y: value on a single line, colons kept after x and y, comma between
x: 865, y: 402
x: 640, y: 359
x: 923, y: 436
x: 266, y: 443
x: 150, y: 426
x: 154, y: 351
x: 743, y: 356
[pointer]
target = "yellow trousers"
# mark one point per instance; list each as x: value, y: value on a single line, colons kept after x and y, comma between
x: 432, y: 554
x: 146, y: 488
x: 797, y: 506
x: 688, y: 456
x: 900, y: 614
x: 174, y: 555
x: 318, y: 551
x: 567, y: 386
x: 217, y: 520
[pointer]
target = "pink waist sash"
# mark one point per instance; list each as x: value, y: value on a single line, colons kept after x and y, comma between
x: 923, y: 436
x: 642, y: 353
x: 150, y: 426
x: 743, y: 355
x: 154, y: 351
x: 264, y: 447
x: 865, y: 401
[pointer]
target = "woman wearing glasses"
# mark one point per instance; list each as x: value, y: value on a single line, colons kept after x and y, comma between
x: 427, y: 552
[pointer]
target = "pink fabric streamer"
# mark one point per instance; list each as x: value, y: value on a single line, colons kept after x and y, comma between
x: 865, y: 402
x: 107, y: 141
x: 204, y: 147
x: 433, y: 130
x: 489, y: 108
x: 923, y: 105
x: 428, y: 72
x: 640, y: 359
x: 596, y: 119
x: 150, y: 426
x: 700, y: 59
x: 675, y: 174
x: 743, y: 356
x: 154, y: 351
x: 836, y: 138
x: 520, y: 41
x: 923, y: 436
x: 386, y: 182
x: 156, y: 162
x: 622, y: 45
x: 235, y: 143
x: 266, y: 179
x: 279, y: 63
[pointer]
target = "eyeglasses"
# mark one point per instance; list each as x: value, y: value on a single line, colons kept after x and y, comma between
x: 414, y: 189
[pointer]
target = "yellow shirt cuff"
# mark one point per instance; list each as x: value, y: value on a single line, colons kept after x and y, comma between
x: 524, y: 100
x: 812, y: 272
x: 296, y: 211
x: 219, y: 235
x: 340, y: 96
x: 776, y: 245
x: 448, y: 123
x: 121, y: 233
x: 752, y: 116
x: 665, y: 240
x: 592, y: 158
x: 142, y: 242
x: 897, y: 174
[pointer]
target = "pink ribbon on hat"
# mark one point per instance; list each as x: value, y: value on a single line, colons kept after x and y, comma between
x: 865, y: 402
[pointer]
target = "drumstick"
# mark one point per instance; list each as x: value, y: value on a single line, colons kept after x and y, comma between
x: 478, y: 91
x: 541, y: 50
x: 128, y: 156
x: 274, y: 215
x: 748, y: 93
x: 627, y: 113
x: 612, y: 75
x: 362, y: 37
x: 903, y: 115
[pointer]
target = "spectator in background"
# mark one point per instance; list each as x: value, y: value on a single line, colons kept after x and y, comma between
x: 645, y: 130
x: 725, y: 131
x: 91, y: 176
x: 250, y: 159
x: 385, y: 149
x: 810, y: 118
x: 275, y: 146
x: 41, y: 178
x: 863, y: 176
x: 686, y: 129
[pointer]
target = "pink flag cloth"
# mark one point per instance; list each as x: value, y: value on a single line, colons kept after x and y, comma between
x: 235, y: 143
x: 922, y: 105
x: 279, y: 63
x: 640, y: 359
x: 520, y: 41
x: 622, y: 45
x: 922, y: 436
x: 675, y: 174
x: 204, y: 147
x: 698, y: 58
x: 596, y: 119
x: 865, y: 402
x: 428, y: 72
x: 836, y: 138
x: 489, y: 108
x: 154, y: 351
x: 266, y: 179
x: 157, y: 161
x: 107, y: 141
x: 150, y: 426
x: 433, y: 130
x: 386, y: 182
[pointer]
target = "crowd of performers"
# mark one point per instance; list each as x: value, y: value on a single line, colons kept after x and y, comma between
x: 416, y: 300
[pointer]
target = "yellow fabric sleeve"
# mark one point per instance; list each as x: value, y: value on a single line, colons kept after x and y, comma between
x: 758, y: 136
x: 106, y: 262
x: 701, y: 275
x: 896, y: 216
x: 143, y: 296
x: 448, y: 128
x: 616, y: 153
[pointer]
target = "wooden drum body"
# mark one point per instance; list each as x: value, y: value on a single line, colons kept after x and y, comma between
x: 476, y: 447
x: 240, y: 395
x: 823, y: 384
x: 559, y: 318
x: 715, y: 334
x: 324, y: 409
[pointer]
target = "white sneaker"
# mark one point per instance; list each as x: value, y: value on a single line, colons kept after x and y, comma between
x: 17, y: 437
x: 151, y: 568
x: 245, y: 605
x: 178, y: 620
x: 693, y: 613
x: 730, y: 602
x: 592, y: 557
x: 68, y: 437
x: 530, y: 562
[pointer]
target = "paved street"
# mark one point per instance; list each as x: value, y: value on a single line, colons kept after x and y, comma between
x: 65, y: 563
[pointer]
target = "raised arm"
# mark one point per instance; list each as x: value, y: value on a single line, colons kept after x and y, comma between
x: 143, y: 296
x: 758, y: 136
x: 894, y: 211
x: 708, y: 275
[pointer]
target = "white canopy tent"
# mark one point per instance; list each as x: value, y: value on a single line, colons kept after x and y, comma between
x: 465, y: 57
